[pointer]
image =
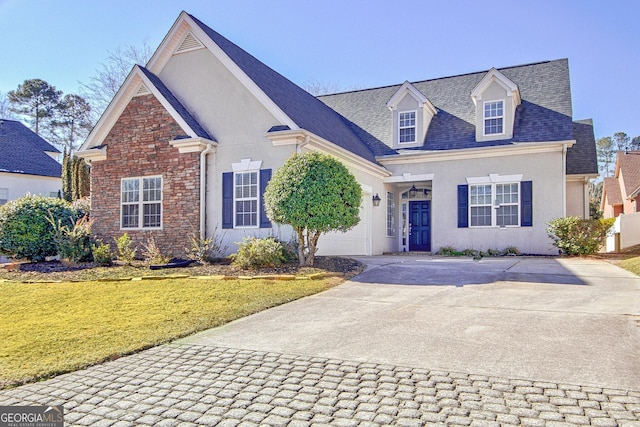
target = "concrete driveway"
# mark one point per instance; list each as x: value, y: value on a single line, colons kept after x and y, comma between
x: 561, y: 320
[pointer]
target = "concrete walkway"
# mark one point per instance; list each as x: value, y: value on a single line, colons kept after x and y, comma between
x: 411, y: 341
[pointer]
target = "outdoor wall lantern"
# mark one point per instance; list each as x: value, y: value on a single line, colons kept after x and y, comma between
x: 413, y: 191
x: 376, y: 200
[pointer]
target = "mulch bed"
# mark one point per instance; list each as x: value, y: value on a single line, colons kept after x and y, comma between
x: 56, y: 270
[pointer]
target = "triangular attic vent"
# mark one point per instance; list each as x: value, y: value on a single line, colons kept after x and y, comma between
x: 189, y: 43
x: 142, y: 91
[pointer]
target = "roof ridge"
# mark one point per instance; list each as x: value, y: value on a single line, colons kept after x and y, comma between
x: 301, y: 107
x: 443, y: 77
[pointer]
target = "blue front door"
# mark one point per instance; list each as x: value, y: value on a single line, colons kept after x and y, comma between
x: 420, y: 226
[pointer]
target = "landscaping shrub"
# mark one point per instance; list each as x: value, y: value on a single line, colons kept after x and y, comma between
x: 511, y: 250
x: 152, y: 253
x: 576, y: 236
x: 204, y: 250
x: 74, y: 241
x: 82, y: 206
x: 256, y: 253
x: 447, y: 251
x: 25, y: 228
x: 126, y: 251
x: 101, y: 253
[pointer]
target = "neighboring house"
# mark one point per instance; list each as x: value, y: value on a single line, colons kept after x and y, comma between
x: 481, y: 160
x: 27, y: 163
x: 620, y: 192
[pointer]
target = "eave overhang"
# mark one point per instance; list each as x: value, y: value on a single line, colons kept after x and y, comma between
x: 95, y: 154
x: 192, y: 145
x: 303, y: 138
x: 519, y: 148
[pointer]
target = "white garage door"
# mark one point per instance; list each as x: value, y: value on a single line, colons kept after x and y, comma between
x: 355, y: 241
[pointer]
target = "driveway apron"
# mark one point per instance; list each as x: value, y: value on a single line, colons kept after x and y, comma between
x: 552, y: 319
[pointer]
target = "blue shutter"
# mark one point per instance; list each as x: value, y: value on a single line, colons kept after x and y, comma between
x: 463, y: 206
x: 227, y: 200
x: 265, y: 176
x: 526, y: 204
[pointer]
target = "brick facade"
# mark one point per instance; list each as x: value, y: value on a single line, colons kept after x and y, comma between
x: 138, y: 146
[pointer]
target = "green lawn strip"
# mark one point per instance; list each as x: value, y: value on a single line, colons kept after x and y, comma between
x: 47, y: 329
x: 631, y: 264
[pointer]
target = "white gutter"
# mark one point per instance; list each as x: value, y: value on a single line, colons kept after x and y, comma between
x: 203, y: 189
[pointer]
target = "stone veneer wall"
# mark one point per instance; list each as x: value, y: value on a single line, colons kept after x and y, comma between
x: 138, y: 146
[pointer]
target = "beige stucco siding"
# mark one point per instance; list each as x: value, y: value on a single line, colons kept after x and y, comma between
x: 18, y: 185
x: 545, y: 170
x: 235, y: 119
x: 577, y: 198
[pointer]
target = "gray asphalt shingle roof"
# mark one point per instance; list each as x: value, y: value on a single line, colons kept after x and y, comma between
x: 23, y: 151
x: 303, y: 108
x: 544, y: 115
x: 177, y: 105
x: 582, y: 158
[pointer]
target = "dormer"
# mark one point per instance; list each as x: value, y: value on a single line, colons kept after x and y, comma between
x: 496, y: 99
x: 412, y: 113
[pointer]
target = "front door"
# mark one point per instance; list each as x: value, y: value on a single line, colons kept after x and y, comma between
x: 420, y: 226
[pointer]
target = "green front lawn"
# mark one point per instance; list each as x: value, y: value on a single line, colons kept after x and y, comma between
x: 46, y: 329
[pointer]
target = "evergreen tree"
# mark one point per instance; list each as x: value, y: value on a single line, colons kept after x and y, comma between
x: 37, y: 100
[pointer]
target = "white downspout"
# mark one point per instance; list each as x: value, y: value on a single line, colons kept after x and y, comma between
x: 564, y: 180
x: 203, y: 190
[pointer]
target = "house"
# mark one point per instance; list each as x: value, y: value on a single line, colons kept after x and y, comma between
x: 27, y: 163
x: 482, y: 160
x: 620, y: 192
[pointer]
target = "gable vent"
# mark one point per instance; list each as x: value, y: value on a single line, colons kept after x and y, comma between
x: 189, y: 43
x: 142, y: 91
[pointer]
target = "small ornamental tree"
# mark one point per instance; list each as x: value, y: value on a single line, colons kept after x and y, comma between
x: 315, y: 194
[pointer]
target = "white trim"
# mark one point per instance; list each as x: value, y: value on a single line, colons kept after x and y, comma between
x: 183, y: 24
x: 245, y: 165
x: 485, y: 118
x: 256, y: 198
x: 518, y: 148
x: 140, y: 203
x: 93, y: 154
x: 493, y: 75
x: 407, y: 177
x: 409, y: 89
x: 494, y: 178
x: 315, y: 142
x: 415, y: 127
x: 480, y: 181
x: 192, y: 145
x: 117, y: 106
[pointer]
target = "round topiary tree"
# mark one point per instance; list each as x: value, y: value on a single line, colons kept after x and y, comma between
x: 25, y: 226
x: 314, y: 193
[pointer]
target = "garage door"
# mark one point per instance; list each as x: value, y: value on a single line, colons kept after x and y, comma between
x: 354, y: 241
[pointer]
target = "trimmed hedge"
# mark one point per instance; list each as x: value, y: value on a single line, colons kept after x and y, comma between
x: 25, y: 227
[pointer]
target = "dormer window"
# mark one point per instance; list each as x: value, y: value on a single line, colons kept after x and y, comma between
x: 407, y: 127
x: 493, y: 117
x: 496, y: 99
x: 412, y: 113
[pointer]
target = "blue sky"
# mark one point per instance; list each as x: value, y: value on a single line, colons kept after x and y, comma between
x: 363, y: 43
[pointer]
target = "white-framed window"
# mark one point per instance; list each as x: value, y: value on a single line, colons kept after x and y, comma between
x: 4, y: 196
x: 53, y: 194
x: 494, y: 117
x: 391, y: 214
x: 480, y: 205
x: 245, y: 195
x: 141, y: 202
x: 406, y: 127
x: 507, y: 204
x: 496, y: 204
